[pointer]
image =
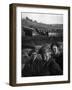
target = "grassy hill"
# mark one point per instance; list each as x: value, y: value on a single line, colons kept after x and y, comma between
x: 41, y: 39
x: 36, y: 25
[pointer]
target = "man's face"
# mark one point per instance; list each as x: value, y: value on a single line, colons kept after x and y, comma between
x: 55, y: 49
x: 47, y: 56
x: 34, y: 55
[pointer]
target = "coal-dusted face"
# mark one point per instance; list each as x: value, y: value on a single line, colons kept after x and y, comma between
x: 56, y: 49
x: 34, y: 55
x: 47, y: 55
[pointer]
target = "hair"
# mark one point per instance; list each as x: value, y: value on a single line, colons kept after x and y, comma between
x: 43, y: 50
x: 53, y: 45
x: 32, y: 51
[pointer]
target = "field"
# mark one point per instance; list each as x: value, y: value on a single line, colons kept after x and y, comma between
x: 39, y: 40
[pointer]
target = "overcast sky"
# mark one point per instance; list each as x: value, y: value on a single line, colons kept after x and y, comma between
x: 45, y: 18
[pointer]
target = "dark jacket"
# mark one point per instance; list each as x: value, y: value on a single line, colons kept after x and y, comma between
x: 32, y: 68
x: 54, y: 67
x: 41, y: 68
x: 59, y: 60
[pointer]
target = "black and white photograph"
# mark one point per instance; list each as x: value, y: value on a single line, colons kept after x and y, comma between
x: 42, y: 44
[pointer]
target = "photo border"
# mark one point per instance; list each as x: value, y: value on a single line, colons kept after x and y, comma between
x: 12, y: 63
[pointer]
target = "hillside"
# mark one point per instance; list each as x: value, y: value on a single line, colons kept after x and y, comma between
x: 41, y: 26
x: 28, y: 24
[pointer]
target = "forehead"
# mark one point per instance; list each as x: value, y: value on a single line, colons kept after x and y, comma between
x: 48, y: 51
x: 55, y: 46
x: 34, y: 53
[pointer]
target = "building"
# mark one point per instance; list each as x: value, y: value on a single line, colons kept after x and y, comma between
x: 30, y: 31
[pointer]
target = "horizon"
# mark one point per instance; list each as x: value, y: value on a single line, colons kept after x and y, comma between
x: 48, y: 18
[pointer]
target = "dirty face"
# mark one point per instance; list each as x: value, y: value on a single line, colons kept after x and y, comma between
x: 55, y: 49
x: 34, y: 55
x: 47, y: 56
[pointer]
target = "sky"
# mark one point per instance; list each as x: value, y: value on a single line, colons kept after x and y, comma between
x: 46, y: 18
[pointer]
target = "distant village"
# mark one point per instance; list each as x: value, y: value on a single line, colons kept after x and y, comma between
x: 33, y: 28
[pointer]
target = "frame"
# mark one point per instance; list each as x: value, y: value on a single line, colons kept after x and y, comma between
x: 39, y: 44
